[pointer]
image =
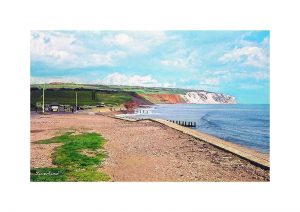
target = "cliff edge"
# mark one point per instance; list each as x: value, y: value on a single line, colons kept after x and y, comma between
x: 191, y: 97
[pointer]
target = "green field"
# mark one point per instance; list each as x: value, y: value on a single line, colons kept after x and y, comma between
x: 84, y: 97
x: 137, y: 89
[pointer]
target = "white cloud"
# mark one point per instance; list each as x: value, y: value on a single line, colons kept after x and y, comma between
x: 258, y: 75
x: 215, y: 77
x: 96, y: 59
x: 120, y: 39
x: 168, y: 85
x: 179, y: 63
x: 64, y: 50
x: 250, y: 86
x: 221, y: 77
x: 186, y: 63
x: 41, y: 80
x: 248, y: 55
x: 136, y: 41
x: 53, y: 47
x: 135, y: 80
x: 211, y: 81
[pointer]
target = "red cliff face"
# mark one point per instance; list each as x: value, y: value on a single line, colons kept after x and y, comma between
x: 164, y: 98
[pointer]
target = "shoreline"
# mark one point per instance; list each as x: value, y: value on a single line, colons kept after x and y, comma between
x: 136, y: 153
x: 257, y: 143
x: 259, y: 158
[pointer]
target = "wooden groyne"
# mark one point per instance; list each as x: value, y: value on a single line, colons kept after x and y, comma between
x: 142, y: 112
x: 133, y: 118
x: 184, y: 123
x: 256, y: 158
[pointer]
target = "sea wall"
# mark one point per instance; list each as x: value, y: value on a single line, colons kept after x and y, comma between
x: 257, y: 158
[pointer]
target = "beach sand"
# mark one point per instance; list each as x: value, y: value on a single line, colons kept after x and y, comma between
x: 144, y: 150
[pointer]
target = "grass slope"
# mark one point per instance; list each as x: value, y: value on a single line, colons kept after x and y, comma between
x: 77, y: 159
x: 110, y: 95
x: 137, y: 89
x: 84, y: 97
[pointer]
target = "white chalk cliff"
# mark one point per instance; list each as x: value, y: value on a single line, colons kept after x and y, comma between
x: 203, y: 97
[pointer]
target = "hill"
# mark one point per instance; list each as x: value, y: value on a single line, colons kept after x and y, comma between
x: 113, y: 95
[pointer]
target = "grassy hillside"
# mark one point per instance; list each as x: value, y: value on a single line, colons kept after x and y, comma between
x: 65, y: 93
x: 137, y: 89
x: 84, y: 97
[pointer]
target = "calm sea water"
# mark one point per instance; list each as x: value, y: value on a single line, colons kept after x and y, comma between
x: 247, y: 125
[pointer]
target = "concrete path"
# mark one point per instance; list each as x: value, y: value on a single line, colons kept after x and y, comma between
x: 257, y: 158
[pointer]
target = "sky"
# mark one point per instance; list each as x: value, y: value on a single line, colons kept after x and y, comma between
x: 230, y: 62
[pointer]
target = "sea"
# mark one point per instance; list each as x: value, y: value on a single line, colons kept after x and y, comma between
x: 243, y: 124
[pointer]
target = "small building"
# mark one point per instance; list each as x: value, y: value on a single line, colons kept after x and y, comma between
x: 54, y: 107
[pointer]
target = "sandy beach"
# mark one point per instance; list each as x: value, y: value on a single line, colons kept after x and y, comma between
x: 144, y: 150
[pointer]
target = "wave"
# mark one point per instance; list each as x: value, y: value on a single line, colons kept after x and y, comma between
x: 209, y: 123
x: 242, y: 124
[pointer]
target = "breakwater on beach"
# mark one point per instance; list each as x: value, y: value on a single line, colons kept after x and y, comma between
x: 246, y: 125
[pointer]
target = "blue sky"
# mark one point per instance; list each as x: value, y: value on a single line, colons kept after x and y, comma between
x: 231, y: 62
